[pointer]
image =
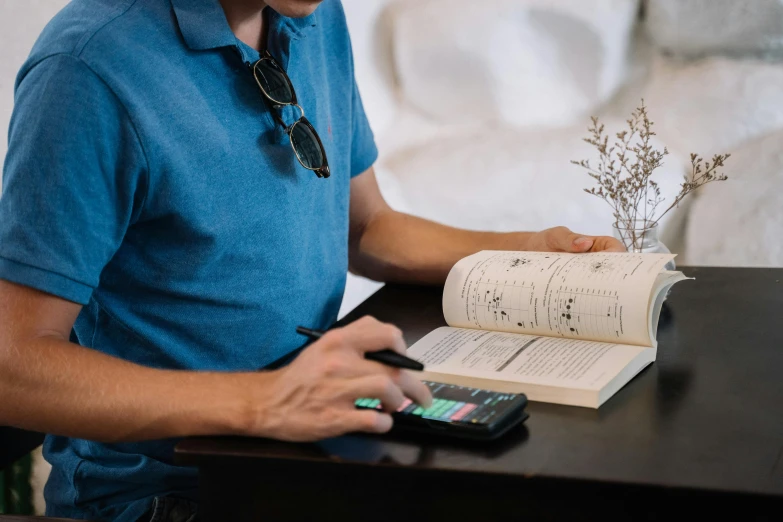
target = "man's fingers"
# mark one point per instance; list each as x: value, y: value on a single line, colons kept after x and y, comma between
x: 578, y: 242
x: 377, y: 387
x: 608, y: 244
x: 365, y: 367
x: 416, y: 390
x: 370, y: 335
x: 581, y: 244
x: 563, y: 240
x: 368, y: 421
x: 410, y: 385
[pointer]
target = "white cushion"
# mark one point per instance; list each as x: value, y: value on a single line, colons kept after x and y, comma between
x: 694, y: 28
x: 715, y: 105
x: 739, y: 222
x: 522, y: 62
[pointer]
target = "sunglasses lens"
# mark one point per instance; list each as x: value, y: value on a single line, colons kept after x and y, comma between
x: 306, y: 146
x: 274, y: 82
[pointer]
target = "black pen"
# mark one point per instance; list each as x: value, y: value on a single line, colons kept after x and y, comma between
x: 388, y: 357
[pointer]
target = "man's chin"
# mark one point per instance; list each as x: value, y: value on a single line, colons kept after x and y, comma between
x: 294, y: 8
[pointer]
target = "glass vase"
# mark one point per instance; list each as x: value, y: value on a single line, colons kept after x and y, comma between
x: 643, y: 238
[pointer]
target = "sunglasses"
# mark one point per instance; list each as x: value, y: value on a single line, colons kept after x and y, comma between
x: 278, y: 92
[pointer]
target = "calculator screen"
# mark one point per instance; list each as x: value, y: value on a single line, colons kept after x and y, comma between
x: 456, y: 404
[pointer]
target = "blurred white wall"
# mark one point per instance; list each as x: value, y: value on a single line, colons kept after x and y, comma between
x: 20, y: 23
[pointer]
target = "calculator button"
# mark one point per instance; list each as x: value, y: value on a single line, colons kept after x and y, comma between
x: 448, y: 414
x: 463, y: 412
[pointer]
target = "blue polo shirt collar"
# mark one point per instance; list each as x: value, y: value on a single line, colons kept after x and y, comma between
x: 204, y: 26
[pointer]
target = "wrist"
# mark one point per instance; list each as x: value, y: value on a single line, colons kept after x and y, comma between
x: 237, y: 404
x: 259, y: 411
x: 516, y: 240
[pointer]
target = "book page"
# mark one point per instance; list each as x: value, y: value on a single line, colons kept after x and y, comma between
x: 598, y: 297
x: 529, y: 359
x: 663, y: 283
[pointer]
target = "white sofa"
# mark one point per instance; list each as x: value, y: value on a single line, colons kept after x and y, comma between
x: 479, y: 106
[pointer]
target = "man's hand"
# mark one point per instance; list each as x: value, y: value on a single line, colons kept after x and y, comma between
x: 314, y: 396
x: 561, y: 239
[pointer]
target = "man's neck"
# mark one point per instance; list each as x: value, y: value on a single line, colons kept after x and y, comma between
x: 245, y: 17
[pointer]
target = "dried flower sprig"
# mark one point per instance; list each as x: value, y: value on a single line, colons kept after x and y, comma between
x: 624, y: 171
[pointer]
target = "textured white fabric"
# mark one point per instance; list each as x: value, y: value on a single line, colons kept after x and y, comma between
x: 739, y: 222
x: 506, y: 179
x: 524, y: 62
x: 694, y: 28
x: 715, y: 105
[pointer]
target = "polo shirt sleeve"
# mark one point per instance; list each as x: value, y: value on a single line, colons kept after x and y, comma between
x: 363, y: 149
x: 74, y: 179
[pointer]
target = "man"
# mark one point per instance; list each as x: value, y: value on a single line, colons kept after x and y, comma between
x: 160, y: 240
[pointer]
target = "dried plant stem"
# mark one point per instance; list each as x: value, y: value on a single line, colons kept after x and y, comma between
x: 623, y: 176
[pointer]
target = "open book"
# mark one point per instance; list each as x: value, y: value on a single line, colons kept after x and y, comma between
x: 563, y: 328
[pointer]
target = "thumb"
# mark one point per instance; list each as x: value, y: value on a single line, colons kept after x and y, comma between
x: 581, y: 243
x: 573, y: 242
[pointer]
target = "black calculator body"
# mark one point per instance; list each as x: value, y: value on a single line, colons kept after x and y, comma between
x: 459, y: 411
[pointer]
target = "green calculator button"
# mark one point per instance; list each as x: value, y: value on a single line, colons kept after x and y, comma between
x: 435, y: 405
x: 437, y: 409
x: 447, y: 406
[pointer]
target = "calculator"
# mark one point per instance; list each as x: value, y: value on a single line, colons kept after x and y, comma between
x: 459, y: 411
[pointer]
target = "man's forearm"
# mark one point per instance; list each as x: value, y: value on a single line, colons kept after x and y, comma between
x: 398, y: 247
x: 50, y: 385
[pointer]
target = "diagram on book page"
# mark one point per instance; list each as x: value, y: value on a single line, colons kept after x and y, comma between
x: 600, y: 297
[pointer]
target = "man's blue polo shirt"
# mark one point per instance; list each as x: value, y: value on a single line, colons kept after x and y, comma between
x: 147, y: 180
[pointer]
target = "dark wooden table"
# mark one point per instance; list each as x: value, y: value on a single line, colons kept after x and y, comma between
x: 699, y: 433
